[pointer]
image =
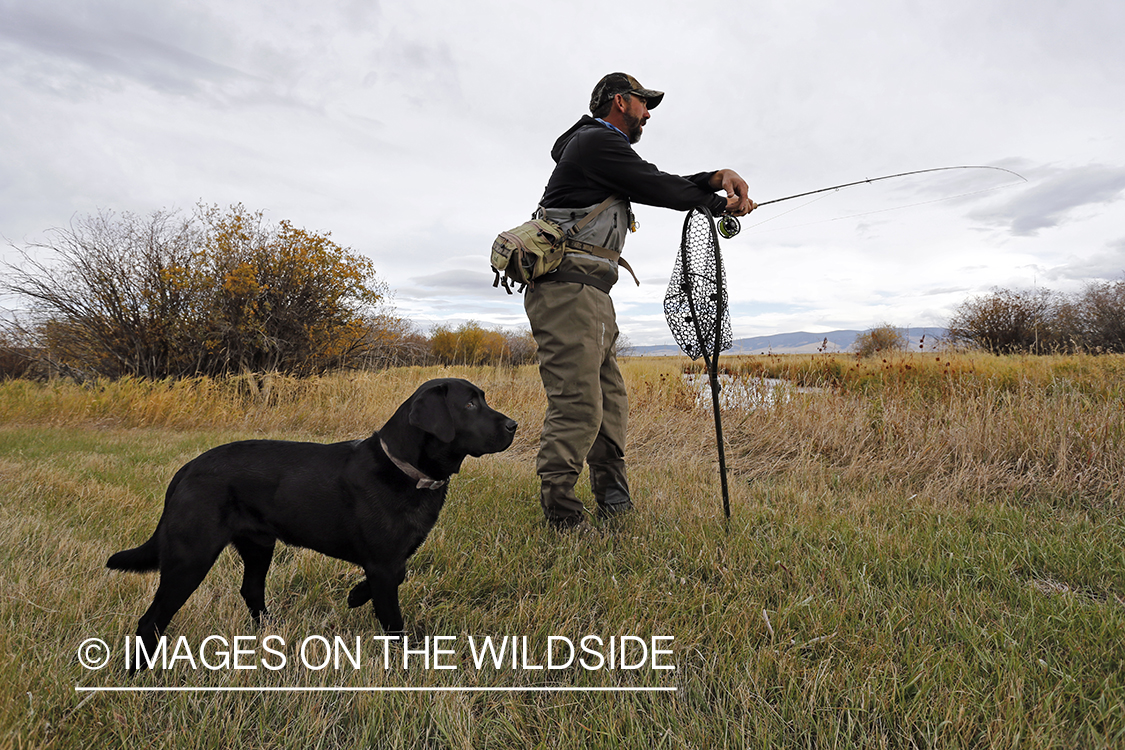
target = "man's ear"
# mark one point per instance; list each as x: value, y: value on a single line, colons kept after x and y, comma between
x: 430, y: 412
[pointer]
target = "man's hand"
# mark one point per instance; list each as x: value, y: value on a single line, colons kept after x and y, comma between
x: 738, y: 199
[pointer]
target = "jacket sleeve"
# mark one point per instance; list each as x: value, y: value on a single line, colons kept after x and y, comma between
x: 607, y: 159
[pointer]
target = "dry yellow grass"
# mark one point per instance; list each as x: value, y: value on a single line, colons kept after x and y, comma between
x: 931, y: 555
x: 954, y: 427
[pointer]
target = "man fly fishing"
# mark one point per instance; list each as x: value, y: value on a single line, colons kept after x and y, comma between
x: 597, y: 177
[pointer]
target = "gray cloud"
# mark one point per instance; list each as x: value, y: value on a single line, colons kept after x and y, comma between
x: 1054, y: 196
x: 74, y: 45
x: 1107, y: 265
x: 453, y: 281
x: 415, y: 131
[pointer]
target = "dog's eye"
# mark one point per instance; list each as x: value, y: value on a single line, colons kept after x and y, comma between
x: 472, y: 404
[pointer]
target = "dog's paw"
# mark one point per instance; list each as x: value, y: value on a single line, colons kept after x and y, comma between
x: 398, y: 637
x: 268, y: 620
x: 359, y: 595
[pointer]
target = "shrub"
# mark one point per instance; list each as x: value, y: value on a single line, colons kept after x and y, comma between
x: 1007, y: 322
x: 1041, y: 321
x: 1099, y: 315
x: 885, y: 338
x: 471, y: 344
x: 218, y: 292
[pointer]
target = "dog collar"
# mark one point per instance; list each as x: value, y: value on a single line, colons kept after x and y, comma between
x: 424, y: 482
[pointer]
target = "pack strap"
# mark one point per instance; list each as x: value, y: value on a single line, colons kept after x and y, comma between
x: 576, y: 278
x: 502, y: 280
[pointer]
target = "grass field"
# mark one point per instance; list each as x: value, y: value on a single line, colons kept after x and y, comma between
x: 923, y: 552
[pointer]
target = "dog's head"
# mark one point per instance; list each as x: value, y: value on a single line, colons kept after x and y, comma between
x: 442, y: 422
x: 455, y: 412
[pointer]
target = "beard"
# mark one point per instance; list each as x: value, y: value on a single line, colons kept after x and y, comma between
x: 633, y: 127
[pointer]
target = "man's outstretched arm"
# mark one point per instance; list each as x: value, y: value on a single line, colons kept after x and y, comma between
x: 738, y: 198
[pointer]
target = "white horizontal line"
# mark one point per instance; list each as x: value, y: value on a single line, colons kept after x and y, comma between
x: 81, y: 689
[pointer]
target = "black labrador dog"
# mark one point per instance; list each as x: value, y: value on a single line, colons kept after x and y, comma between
x: 371, y: 502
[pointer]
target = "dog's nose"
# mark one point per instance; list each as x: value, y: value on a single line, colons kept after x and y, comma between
x: 511, y: 426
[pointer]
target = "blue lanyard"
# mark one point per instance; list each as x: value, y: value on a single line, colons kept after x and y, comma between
x: 613, y: 127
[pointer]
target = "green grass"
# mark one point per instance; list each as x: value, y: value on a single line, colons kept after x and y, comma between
x: 851, y: 603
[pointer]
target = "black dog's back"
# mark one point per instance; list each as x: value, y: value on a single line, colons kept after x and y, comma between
x: 272, y: 488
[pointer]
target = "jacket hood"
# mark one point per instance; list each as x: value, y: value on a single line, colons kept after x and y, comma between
x: 560, y: 144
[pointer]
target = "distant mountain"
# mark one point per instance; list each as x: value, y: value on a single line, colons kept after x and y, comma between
x: 801, y: 342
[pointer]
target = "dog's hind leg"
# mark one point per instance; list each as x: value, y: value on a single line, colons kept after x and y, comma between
x: 256, y: 558
x: 178, y: 580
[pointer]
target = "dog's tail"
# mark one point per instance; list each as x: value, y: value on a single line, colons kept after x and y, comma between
x: 147, y: 556
x: 139, y: 559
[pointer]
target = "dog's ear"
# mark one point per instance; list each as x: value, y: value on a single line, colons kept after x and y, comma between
x: 430, y: 412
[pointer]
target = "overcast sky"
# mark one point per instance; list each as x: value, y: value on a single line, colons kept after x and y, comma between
x: 414, y: 132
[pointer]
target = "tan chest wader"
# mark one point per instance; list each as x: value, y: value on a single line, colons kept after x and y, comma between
x: 575, y: 327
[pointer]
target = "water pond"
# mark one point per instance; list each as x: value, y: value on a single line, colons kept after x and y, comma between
x: 741, y: 392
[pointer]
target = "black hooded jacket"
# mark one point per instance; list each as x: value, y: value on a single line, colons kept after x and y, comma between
x: 594, y: 161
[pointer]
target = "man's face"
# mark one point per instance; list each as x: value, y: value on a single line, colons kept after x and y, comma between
x: 635, y: 115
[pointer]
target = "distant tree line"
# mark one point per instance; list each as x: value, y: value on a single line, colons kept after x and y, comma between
x: 213, y: 293
x: 222, y: 291
x: 1041, y: 321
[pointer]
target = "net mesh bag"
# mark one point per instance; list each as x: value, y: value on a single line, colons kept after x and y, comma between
x: 695, y: 304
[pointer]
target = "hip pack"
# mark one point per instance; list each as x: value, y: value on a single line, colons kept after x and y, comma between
x: 536, y: 247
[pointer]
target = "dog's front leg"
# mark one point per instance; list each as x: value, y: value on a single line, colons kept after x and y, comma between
x: 382, y: 583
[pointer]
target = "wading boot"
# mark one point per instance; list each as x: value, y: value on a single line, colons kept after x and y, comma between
x: 561, y: 507
x: 611, y: 489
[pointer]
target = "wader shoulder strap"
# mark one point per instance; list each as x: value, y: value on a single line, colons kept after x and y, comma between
x: 575, y: 229
x: 598, y: 250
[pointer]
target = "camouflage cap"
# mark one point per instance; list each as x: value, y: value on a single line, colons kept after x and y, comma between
x: 621, y: 83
